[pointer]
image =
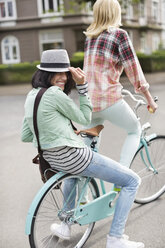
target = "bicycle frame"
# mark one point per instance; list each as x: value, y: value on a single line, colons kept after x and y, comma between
x: 88, y: 213
x: 143, y: 142
x: 144, y: 138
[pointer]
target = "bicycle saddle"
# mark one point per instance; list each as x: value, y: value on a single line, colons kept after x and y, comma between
x: 92, y: 132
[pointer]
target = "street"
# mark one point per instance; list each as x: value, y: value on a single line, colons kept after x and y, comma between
x: 20, y: 179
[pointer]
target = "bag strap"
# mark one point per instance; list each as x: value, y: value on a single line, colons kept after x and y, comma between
x: 74, y: 128
x: 36, y: 104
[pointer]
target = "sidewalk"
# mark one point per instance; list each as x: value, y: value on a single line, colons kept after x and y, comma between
x: 22, y: 89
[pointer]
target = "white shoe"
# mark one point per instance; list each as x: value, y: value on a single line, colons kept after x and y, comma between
x: 125, y: 236
x: 114, y: 242
x: 62, y: 231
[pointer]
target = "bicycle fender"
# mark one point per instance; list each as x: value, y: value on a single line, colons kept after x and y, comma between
x: 37, y: 199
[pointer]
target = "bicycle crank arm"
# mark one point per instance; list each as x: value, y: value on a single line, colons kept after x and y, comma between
x: 98, y: 209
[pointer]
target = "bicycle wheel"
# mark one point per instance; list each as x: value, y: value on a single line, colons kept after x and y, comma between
x: 51, y: 210
x: 153, y: 184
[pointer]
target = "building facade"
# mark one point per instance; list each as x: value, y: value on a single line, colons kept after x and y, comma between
x: 27, y: 27
x: 145, y: 23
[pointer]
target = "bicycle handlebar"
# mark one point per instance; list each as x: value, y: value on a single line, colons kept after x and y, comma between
x: 127, y: 92
x: 139, y: 102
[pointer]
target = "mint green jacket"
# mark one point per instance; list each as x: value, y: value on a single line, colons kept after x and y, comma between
x: 55, y: 111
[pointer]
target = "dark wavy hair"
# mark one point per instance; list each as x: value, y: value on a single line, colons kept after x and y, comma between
x: 43, y: 79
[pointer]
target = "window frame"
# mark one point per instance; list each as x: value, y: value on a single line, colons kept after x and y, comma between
x: 155, y: 10
x: 7, y: 17
x: 11, y: 45
x: 163, y: 12
x: 49, y: 13
x: 155, y: 42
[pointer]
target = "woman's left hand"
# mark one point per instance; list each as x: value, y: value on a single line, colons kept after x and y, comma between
x: 78, y: 75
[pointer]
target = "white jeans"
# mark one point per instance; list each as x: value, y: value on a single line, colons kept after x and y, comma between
x: 121, y: 115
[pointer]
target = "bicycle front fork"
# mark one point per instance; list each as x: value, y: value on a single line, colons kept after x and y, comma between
x: 147, y: 163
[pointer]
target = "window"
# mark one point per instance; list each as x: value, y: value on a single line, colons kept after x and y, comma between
x: 155, y: 10
x: 163, y: 40
x: 163, y: 11
x: 10, y: 50
x: 7, y: 9
x: 51, y: 39
x: 50, y: 7
x: 143, y: 45
x: 155, y: 42
x: 127, y: 6
x: 142, y: 9
x: 142, y: 13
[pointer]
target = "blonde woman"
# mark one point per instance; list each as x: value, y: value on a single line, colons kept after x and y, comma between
x: 108, y: 50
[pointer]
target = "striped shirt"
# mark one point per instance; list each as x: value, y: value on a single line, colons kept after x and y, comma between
x: 70, y: 159
x: 105, y: 58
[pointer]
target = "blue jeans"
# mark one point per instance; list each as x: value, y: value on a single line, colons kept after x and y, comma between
x: 110, y: 171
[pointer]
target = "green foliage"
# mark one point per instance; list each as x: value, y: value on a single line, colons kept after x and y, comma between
x: 17, y: 73
x: 75, y: 6
x: 77, y: 59
x: 78, y: 55
x: 86, y: 1
x: 154, y: 62
x: 159, y: 53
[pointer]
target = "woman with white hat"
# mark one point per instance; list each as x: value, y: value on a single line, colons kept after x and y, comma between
x: 61, y: 146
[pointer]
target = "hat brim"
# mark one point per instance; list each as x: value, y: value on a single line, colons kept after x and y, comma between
x: 53, y: 69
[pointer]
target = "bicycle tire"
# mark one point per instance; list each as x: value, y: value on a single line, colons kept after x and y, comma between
x: 153, y: 184
x: 47, y: 211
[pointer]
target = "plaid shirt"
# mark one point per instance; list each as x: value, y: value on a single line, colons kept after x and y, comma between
x: 105, y: 58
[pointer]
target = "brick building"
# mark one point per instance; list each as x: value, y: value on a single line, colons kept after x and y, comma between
x: 27, y: 27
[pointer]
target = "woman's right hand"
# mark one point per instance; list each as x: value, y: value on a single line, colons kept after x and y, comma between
x: 152, y: 106
x: 78, y: 75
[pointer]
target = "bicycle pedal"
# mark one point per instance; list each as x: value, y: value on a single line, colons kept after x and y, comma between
x: 116, y: 189
x: 83, y: 203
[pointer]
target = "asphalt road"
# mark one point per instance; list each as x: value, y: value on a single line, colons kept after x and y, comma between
x: 20, y: 180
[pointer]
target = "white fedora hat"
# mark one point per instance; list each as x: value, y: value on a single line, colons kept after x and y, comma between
x: 54, y: 60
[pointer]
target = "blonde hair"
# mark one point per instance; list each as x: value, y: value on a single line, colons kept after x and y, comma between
x: 106, y: 13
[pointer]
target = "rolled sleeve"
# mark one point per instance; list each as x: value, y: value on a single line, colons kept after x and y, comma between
x: 131, y: 64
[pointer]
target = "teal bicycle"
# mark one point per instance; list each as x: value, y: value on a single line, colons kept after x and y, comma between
x: 49, y: 205
x: 149, y: 160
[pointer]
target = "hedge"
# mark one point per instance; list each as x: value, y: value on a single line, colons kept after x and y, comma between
x: 17, y: 73
x: 22, y: 73
x: 152, y: 63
